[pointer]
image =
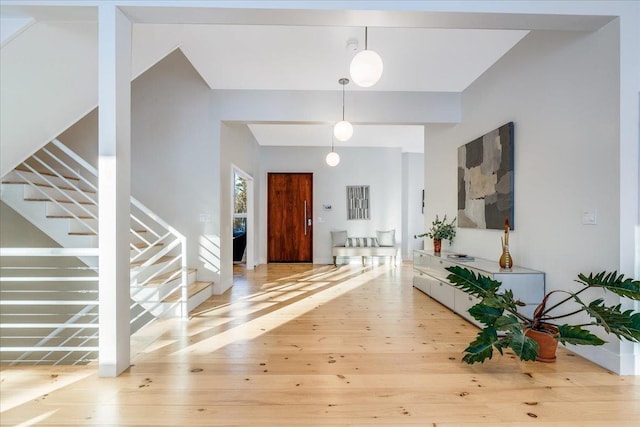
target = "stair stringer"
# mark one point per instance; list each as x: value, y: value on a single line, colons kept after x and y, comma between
x: 36, y: 213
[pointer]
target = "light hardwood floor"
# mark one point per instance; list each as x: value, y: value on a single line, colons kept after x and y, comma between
x: 303, y: 345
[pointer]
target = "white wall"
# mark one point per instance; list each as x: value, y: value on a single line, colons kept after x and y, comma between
x: 379, y: 168
x: 36, y: 104
x: 175, y: 158
x: 40, y: 65
x: 324, y: 106
x: 412, y: 216
x: 562, y: 92
x: 82, y: 138
x: 17, y: 232
x: 240, y: 149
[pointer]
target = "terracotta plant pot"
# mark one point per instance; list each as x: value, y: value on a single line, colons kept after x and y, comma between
x: 547, y: 343
x: 437, y: 245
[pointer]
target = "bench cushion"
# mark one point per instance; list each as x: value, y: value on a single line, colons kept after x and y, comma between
x: 362, y: 251
x: 338, y: 238
x: 361, y: 242
x: 386, y: 238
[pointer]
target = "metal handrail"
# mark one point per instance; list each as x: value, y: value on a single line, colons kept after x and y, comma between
x: 81, y: 331
x: 73, y: 181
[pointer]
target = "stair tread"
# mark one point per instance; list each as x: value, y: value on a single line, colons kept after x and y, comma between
x: 70, y: 178
x: 192, y: 289
x: 160, y: 260
x: 91, y: 233
x: 143, y: 245
x: 71, y: 217
x: 42, y: 199
x: 41, y: 184
x: 169, y: 275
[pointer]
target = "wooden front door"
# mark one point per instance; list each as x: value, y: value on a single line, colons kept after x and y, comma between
x: 289, y: 217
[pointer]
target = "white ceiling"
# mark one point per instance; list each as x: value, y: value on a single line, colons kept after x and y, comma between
x: 269, y: 57
x: 408, y: 138
x: 269, y: 49
x: 313, y: 58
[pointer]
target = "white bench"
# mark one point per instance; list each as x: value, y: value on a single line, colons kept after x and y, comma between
x: 382, y: 245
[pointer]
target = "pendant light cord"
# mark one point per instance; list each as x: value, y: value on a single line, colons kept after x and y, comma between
x: 366, y: 38
x: 343, y: 103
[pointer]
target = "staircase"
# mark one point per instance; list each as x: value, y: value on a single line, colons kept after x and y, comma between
x: 56, y: 191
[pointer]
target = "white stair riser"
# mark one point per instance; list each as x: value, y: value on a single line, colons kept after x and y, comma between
x: 154, y: 294
x: 149, y: 296
x: 148, y: 252
x: 65, y: 195
x: 193, y: 302
x: 22, y: 176
x: 82, y: 225
x: 65, y: 209
x: 139, y: 276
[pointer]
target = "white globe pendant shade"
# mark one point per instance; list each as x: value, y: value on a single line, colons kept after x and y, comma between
x: 343, y: 130
x: 366, y: 68
x: 333, y: 159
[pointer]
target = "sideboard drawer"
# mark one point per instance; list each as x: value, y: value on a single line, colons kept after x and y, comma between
x: 422, y: 281
x: 444, y: 293
x: 463, y: 302
x: 420, y: 260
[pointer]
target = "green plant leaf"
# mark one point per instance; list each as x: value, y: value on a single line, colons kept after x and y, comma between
x: 507, y: 301
x: 612, y: 282
x: 508, y: 323
x: 481, y: 348
x: 442, y: 230
x: 622, y: 324
x: 502, y: 343
x: 578, y: 336
x: 485, y: 314
x: 465, y: 279
x: 525, y: 347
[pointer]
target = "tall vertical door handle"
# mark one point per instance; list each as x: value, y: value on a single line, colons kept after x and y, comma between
x: 305, y: 217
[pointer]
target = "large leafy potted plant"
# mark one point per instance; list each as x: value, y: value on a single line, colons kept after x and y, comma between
x: 440, y: 230
x: 506, y: 327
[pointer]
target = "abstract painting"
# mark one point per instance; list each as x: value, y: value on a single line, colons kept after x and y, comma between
x: 358, y: 202
x: 485, y: 180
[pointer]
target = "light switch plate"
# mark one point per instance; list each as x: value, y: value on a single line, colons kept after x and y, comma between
x: 589, y: 216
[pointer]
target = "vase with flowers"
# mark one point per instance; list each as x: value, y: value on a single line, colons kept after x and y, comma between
x: 440, y: 230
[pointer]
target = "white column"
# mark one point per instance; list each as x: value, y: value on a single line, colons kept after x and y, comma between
x: 629, y: 169
x: 114, y: 164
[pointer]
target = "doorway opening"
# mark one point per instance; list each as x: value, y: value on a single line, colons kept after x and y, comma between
x: 242, y: 219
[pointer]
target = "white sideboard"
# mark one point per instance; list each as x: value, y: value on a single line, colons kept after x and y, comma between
x: 430, y: 276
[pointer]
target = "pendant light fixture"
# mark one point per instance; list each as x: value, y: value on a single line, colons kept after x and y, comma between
x: 343, y: 129
x: 332, y: 158
x: 366, y: 66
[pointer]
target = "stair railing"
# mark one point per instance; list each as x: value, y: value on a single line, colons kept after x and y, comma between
x: 151, y: 231
x: 172, y: 241
x: 74, y: 181
x: 49, y: 309
x: 62, y: 191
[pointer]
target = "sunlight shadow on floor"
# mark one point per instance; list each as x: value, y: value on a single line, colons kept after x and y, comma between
x: 341, y: 283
